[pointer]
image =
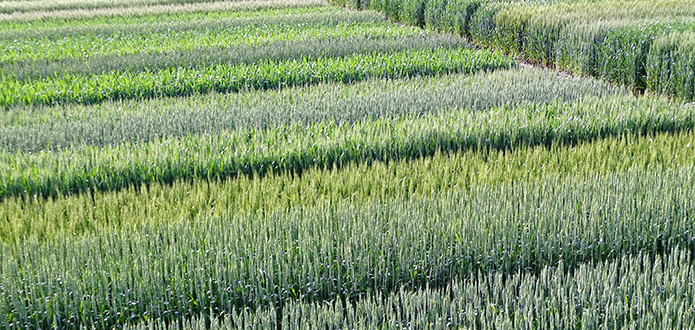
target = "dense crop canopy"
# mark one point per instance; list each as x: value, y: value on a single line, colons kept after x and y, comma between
x: 609, y: 39
x: 274, y: 164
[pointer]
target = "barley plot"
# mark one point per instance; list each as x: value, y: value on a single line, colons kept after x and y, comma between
x: 291, y: 165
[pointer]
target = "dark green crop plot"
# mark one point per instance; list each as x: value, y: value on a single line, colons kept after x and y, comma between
x: 182, y: 81
x: 671, y: 65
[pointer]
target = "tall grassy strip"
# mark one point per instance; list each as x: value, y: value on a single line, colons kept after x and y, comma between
x: 671, y: 65
x: 297, y: 148
x: 181, y: 81
x: 640, y: 291
x: 623, y: 57
x: 311, y: 254
x: 577, y: 46
x: 534, y: 30
x: 264, y: 53
x: 568, y: 35
x: 32, y: 129
x: 608, y: 39
x: 128, y: 210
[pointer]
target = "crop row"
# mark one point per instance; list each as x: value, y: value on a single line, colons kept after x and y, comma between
x: 296, y: 148
x: 609, y: 39
x: 17, y: 20
x: 111, y: 123
x: 277, y: 51
x: 671, y: 65
x: 14, y: 6
x: 57, y: 28
x: 189, y: 201
x: 218, y: 265
x: 185, y: 34
x: 179, y: 81
x: 620, y: 49
x: 308, y: 49
x: 637, y: 291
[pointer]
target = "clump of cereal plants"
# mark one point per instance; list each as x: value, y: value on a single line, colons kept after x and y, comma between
x: 671, y: 65
x: 646, y: 291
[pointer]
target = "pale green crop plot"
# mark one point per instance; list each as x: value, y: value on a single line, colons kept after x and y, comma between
x: 75, y: 16
x: 290, y: 164
x: 589, y: 293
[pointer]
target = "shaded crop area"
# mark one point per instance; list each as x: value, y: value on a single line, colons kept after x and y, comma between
x: 288, y: 164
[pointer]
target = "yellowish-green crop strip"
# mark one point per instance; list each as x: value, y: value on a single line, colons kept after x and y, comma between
x: 316, y: 254
x: 190, y: 201
x: 297, y: 148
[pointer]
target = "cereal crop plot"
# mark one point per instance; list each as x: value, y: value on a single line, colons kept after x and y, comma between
x: 614, y: 40
x: 290, y: 164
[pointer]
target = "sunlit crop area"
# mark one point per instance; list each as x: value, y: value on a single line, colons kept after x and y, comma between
x: 646, y: 45
x: 298, y: 164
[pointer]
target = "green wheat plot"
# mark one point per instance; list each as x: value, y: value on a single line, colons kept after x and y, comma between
x: 290, y: 164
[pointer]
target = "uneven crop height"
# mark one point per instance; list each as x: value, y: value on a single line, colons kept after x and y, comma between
x: 272, y: 164
x: 605, y: 38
